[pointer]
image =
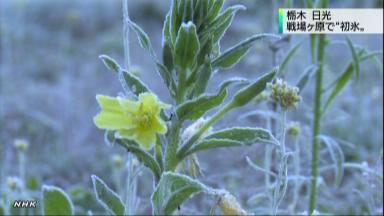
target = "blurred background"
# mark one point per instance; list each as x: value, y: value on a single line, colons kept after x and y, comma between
x: 50, y: 75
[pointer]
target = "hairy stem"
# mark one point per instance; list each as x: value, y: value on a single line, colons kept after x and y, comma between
x: 282, y: 173
x: 316, y: 120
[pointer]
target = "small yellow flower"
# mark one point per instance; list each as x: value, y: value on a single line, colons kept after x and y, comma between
x: 135, y: 120
x: 229, y: 205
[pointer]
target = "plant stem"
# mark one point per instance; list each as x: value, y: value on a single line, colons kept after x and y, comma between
x: 316, y: 121
x: 282, y: 174
x: 127, y: 58
x: 173, y: 143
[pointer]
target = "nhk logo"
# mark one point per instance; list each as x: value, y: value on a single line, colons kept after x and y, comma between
x: 24, y: 204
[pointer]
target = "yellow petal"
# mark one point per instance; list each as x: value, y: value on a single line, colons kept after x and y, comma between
x: 159, y: 126
x: 146, y: 139
x: 109, y: 103
x: 112, y: 120
x: 124, y: 133
x: 128, y: 105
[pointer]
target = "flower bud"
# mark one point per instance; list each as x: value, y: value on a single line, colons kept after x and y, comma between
x: 293, y: 128
x: 117, y: 160
x: 13, y: 182
x: 21, y: 145
x: 229, y: 205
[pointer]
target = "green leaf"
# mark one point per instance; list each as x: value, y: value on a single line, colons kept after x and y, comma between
x: 187, y: 46
x: 56, y: 201
x: 337, y: 156
x: 174, y: 21
x: 132, y: 83
x: 110, y: 201
x: 167, y: 77
x: 243, y: 96
x: 195, y: 108
x: 110, y: 63
x: 212, y: 143
x: 288, y: 57
x: 245, y: 135
x: 339, y: 85
x: 204, y: 74
x: 142, y: 155
x: 355, y: 58
x: 172, y: 190
x: 233, y: 55
x: 220, y: 25
x: 214, y: 9
x: 304, y: 77
x: 232, y: 137
x: 143, y: 38
x: 166, y: 29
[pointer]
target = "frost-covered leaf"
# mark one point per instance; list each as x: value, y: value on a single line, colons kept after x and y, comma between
x: 110, y: 63
x: 339, y: 85
x: 195, y: 108
x: 337, y: 156
x: 245, y: 135
x: 214, y: 9
x: 167, y: 76
x: 141, y: 155
x: 243, y: 96
x: 143, y: 38
x: 304, y: 77
x: 110, y: 201
x: 233, y: 55
x: 355, y: 57
x: 211, y: 144
x: 288, y: 57
x: 132, y: 83
x: 232, y: 137
x: 220, y: 25
x: 56, y: 201
x: 172, y: 190
x: 187, y: 46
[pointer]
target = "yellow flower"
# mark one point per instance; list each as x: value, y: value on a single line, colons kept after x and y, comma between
x: 135, y: 120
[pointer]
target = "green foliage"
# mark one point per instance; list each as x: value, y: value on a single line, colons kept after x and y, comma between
x: 195, y: 108
x: 133, y: 83
x: 56, y: 201
x: 191, y: 54
x: 142, y: 155
x: 110, y: 201
x: 172, y: 190
x: 233, y: 55
x: 186, y: 48
x: 243, y: 96
x: 288, y: 57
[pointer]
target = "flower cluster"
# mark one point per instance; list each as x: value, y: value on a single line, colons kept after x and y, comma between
x: 135, y: 120
x: 283, y: 94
